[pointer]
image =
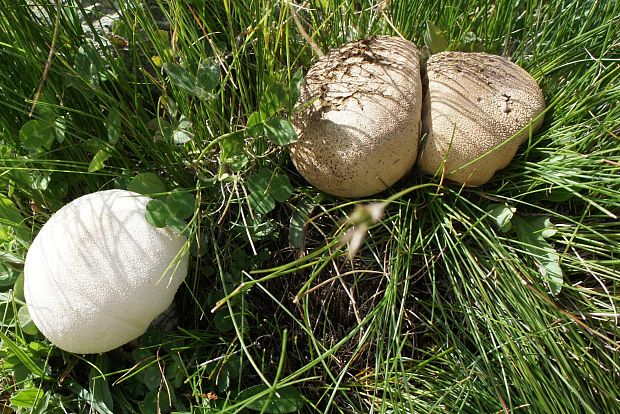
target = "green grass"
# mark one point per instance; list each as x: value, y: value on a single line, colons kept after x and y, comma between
x: 440, y: 310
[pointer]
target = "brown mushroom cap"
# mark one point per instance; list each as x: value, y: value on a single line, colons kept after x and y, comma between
x: 358, y: 133
x: 476, y: 104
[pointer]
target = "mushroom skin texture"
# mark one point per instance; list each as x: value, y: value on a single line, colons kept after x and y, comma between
x: 360, y: 122
x: 476, y: 104
x: 98, y: 273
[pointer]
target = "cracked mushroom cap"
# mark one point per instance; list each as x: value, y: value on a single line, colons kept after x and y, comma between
x: 98, y: 273
x: 476, y: 104
x: 358, y: 133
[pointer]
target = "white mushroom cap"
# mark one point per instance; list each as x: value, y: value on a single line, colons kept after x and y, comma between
x: 359, y: 134
x: 98, y: 273
x: 474, y: 104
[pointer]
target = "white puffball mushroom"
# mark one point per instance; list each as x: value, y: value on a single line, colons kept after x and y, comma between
x: 476, y: 105
x: 359, y: 131
x: 98, y: 273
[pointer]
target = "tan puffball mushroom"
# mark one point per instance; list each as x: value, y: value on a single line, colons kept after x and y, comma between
x: 359, y: 131
x: 476, y: 104
x: 98, y: 273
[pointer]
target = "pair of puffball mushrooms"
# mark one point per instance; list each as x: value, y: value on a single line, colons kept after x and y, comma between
x: 365, y: 112
x: 98, y: 273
